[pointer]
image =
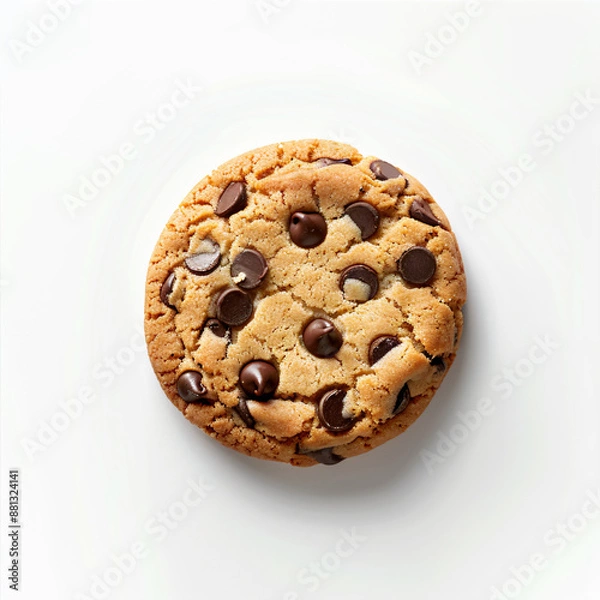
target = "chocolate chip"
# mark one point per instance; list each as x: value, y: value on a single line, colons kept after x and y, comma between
x: 421, y: 211
x: 190, y: 387
x: 205, y: 261
x: 325, y: 456
x: 250, y: 267
x: 365, y: 275
x: 234, y: 307
x: 307, y: 230
x: 321, y: 338
x: 232, y: 199
x: 259, y: 379
x: 325, y: 162
x: 438, y: 363
x: 365, y: 216
x: 167, y: 288
x: 402, y: 400
x: 383, y: 170
x: 216, y: 327
x: 380, y: 346
x: 331, y: 411
x: 417, y: 265
x: 244, y: 413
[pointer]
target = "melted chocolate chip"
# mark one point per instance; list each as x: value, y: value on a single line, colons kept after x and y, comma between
x: 380, y: 346
x: 167, y: 288
x: 402, y: 400
x: 234, y: 307
x: 361, y: 273
x: 325, y: 162
x: 250, y: 267
x: 259, y: 379
x: 321, y: 338
x: 331, y: 411
x: 216, y: 327
x: 438, y: 363
x: 190, y: 387
x: 307, y: 230
x: 384, y: 170
x: 421, y: 211
x: 417, y: 266
x: 205, y: 261
x: 232, y: 199
x: 325, y: 456
x: 244, y: 413
x: 365, y: 216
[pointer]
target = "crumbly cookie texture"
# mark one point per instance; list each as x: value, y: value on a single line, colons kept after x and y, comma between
x: 303, y: 303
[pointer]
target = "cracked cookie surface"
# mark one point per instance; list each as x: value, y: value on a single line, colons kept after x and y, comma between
x: 304, y: 302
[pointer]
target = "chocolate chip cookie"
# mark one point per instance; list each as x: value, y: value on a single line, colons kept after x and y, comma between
x: 304, y: 302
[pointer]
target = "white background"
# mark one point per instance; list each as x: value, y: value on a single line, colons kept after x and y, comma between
x: 73, y: 283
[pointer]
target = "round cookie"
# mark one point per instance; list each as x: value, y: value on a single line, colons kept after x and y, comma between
x: 304, y: 302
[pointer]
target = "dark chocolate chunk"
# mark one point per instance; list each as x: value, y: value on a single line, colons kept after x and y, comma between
x: 438, y: 363
x: 190, y: 387
x: 232, y: 199
x: 383, y: 170
x: 167, y: 288
x: 205, y: 261
x: 325, y: 456
x: 325, y: 162
x: 307, y: 230
x: 234, y: 307
x: 244, y: 413
x: 365, y: 216
x: 251, y: 265
x: 421, y: 211
x: 216, y: 327
x: 361, y: 273
x: 321, y: 338
x: 259, y: 379
x: 402, y: 400
x: 331, y: 411
x: 417, y: 266
x: 380, y: 346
